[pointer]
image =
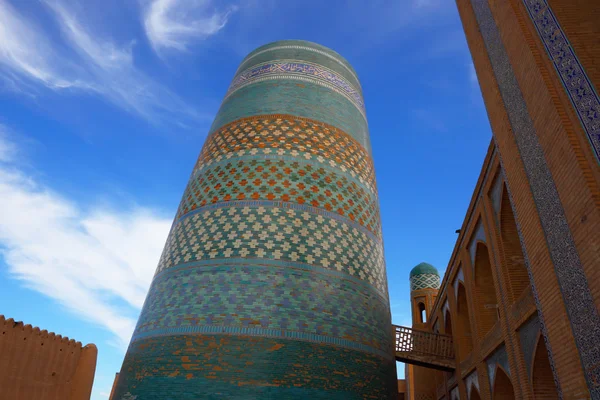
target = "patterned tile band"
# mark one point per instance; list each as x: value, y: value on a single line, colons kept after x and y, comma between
x: 302, y: 48
x: 425, y: 281
x: 286, y: 135
x: 286, y: 181
x: 273, y: 233
x: 299, y: 70
x: 272, y: 282
x: 577, y: 84
x: 205, y: 299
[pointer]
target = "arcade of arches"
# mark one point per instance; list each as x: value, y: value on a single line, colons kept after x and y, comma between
x: 485, y: 303
x: 516, y: 312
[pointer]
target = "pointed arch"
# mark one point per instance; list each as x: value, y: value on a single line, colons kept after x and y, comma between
x: 463, y: 326
x: 515, y: 270
x: 422, y: 312
x: 542, y: 377
x: 448, y: 331
x: 487, y: 304
x: 474, y: 394
x: 503, y: 388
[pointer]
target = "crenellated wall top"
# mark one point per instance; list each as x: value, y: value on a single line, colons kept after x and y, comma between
x: 10, y: 323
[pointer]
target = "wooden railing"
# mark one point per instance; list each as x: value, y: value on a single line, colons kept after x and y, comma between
x: 428, y: 349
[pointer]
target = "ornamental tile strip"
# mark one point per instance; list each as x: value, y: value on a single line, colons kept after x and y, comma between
x: 285, y: 181
x: 295, y: 47
x: 424, y: 281
x: 578, y: 86
x: 257, y: 262
x: 300, y: 70
x: 277, y: 234
x: 270, y: 333
x: 284, y: 135
x: 287, y: 301
x: 283, y: 206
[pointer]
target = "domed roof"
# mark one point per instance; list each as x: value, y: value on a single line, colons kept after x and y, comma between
x: 424, y: 269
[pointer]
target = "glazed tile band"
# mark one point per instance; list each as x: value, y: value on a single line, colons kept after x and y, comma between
x: 304, y: 48
x: 298, y: 70
x: 578, y: 86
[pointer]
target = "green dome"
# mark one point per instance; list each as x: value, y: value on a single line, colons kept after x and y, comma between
x: 424, y: 269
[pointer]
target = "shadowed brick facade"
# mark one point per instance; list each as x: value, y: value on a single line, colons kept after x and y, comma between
x: 272, y: 283
x: 521, y: 295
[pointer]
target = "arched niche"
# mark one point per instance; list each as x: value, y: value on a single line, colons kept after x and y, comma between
x: 503, y: 388
x: 487, y: 303
x: 514, y: 261
x: 542, y: 378
x: 463, y: 324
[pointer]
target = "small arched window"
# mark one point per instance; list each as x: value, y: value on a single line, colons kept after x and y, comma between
x: 422, y: 313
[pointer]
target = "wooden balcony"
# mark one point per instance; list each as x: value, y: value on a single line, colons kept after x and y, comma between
x: 426, y: 349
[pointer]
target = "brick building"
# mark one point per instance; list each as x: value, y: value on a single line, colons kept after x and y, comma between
x: 516, y: 314
x: 272, y: 283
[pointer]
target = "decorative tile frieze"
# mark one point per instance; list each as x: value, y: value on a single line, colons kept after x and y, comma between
x: 302, y: 71
x: 577, y: 84
x: 424, y: 281
x: 292, y: 139
x: 304, y: 48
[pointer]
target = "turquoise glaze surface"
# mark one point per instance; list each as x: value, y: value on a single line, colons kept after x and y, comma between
x: 302, y: 99
x: 301, y: 50
x: 272, y: 283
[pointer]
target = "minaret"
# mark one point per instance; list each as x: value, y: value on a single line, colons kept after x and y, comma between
x: 272, y: 283
x: 424, y: 286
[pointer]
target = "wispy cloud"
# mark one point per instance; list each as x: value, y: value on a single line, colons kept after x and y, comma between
x: 25, y: 51
x: 175, y: 24
x: 94, y: 64
x: 96, y: 262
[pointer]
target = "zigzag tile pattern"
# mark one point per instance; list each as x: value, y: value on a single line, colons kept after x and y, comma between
x: 282, y: 180
x: 286, y: 135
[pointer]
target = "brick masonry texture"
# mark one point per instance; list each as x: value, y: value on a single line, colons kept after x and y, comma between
x: 41, y: 365
x: 534, y: 211
x: 583, y: 314
x: 272, y: 282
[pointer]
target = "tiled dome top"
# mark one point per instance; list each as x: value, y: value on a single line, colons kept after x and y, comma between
x: 424, y: 276
x: 424, y: 269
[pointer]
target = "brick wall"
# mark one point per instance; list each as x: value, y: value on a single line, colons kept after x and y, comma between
x: 36, y: 364
x: 516, y: 228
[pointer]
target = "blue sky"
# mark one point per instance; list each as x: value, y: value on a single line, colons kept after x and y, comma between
x: 104, y: 106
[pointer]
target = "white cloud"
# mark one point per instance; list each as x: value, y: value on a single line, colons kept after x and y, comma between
x: 98, y: 65
x: 96, y: 262
x: 174, y: 24
x: 24, y: 49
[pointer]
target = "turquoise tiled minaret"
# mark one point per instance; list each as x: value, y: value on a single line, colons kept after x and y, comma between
x: 272, y: 283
